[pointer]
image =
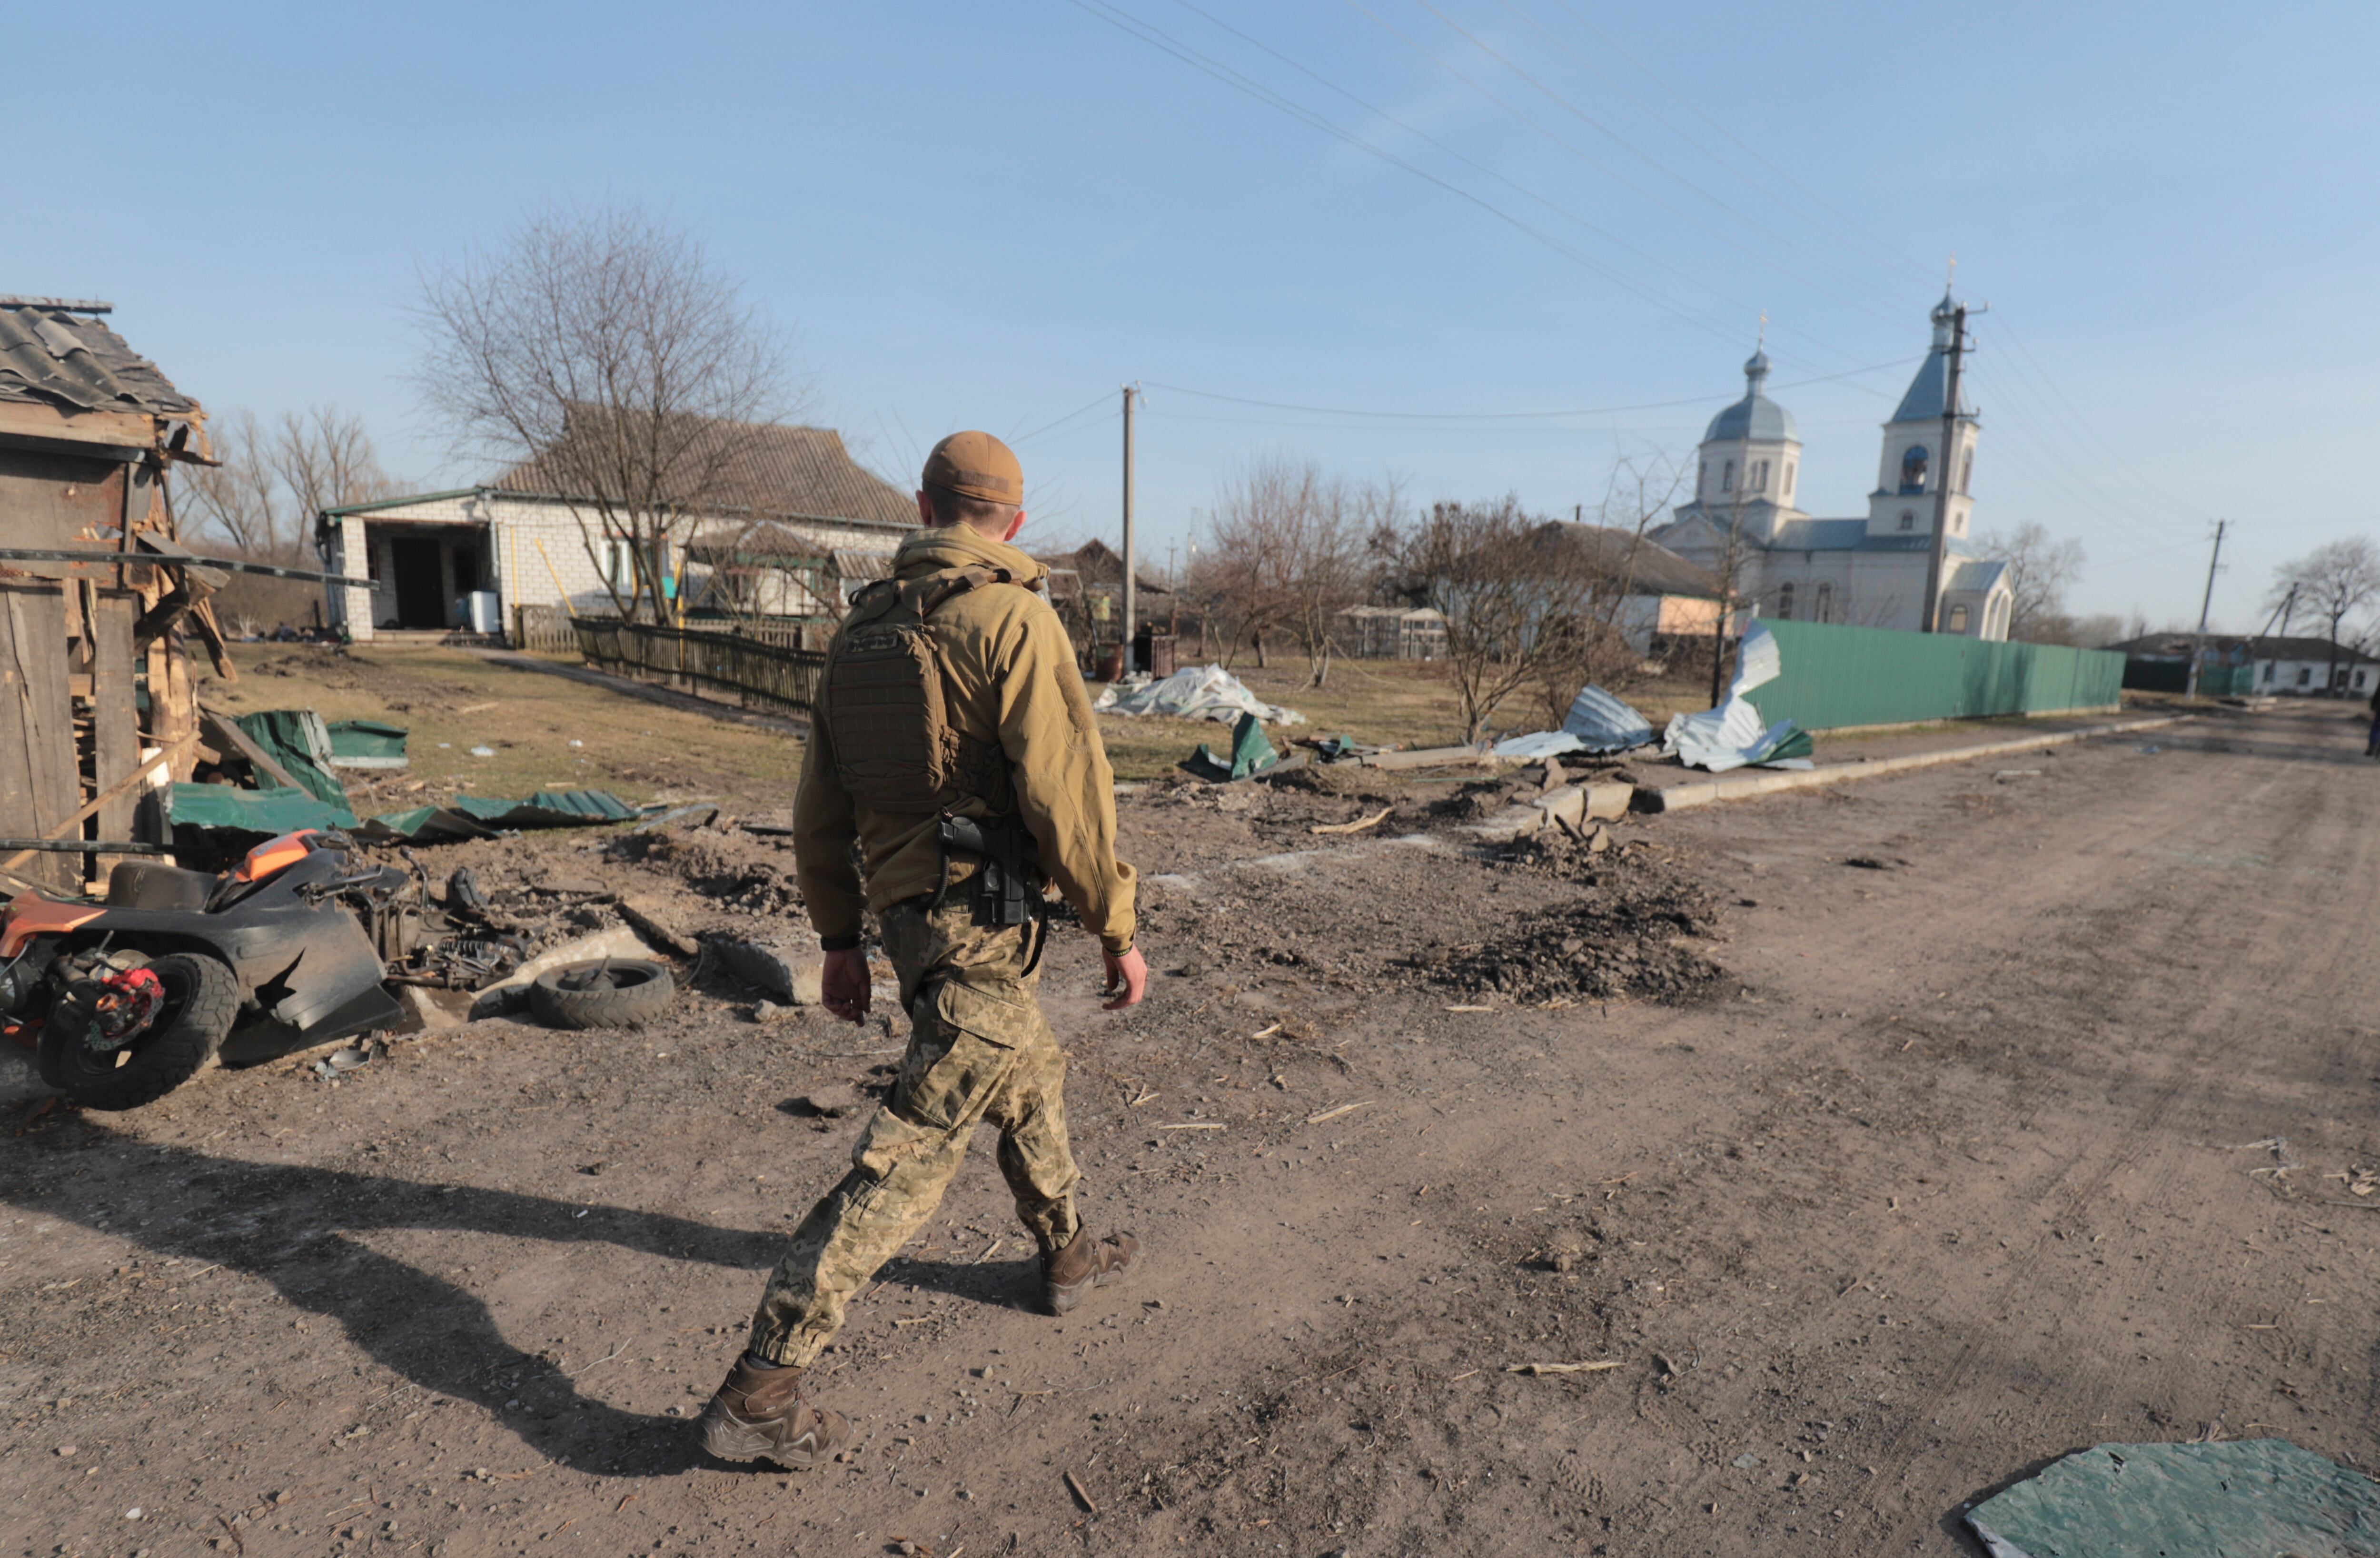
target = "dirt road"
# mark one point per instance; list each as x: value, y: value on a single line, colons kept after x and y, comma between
x: 2039, y: 1129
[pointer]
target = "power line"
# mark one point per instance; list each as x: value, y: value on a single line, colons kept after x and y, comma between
x: 1647, y: 159
x: 1507, y: 416
x: 1423, y: 136
x: 1157, y: 38
x: 2016, y: 407
x: 1614, y: 45
x: 1575, y: 151
x: 1888, y: 255
x: 1025, y: 438
x: 2080, y: 421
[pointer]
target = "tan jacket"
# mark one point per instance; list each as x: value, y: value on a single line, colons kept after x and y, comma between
x: 1008, y: 678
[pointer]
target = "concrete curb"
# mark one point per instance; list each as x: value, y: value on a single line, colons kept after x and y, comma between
x: 1575, y: 804
x: 1742, y: 786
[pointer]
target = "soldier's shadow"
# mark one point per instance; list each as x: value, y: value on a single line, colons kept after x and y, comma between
x: 1002, y: 1285
x: 292, y: 1226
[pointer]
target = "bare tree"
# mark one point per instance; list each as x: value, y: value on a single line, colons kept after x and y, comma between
x: 238, y: 500
x: 2041, y: 569
x: 262, y: 498
x: 613, y: 354
x: 1639, y: 490
x: 324, y: 460
x: 1514, y: 591
x: 2335, y: 581
x: 1289, y: 546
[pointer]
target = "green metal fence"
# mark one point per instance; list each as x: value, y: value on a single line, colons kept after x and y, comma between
x: 1836, y: 677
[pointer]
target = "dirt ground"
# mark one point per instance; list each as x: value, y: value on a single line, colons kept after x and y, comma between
x: 1881, y: 1184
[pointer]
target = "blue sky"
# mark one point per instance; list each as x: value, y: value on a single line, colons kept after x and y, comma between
x: 994, y: 215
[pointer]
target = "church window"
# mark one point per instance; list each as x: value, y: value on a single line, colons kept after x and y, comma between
x: 1826, y: 601
x: 1760, y: 476
x: 1907, y: 519
x: 1789, y: 481
x: 1913, y: 468
x: 1727, y: 476
x: 1958, y: 619
x: 1785, y: 602
x: 1702, y: 476
x: 1966, y: 469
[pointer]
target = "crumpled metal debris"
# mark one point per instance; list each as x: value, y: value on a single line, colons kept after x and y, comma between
x: 1195, y: 692
x: 1735, y: 735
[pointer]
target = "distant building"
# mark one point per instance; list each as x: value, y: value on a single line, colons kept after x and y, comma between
x: 2234, y: 667
x: 1869, y: 572
x: 796, y: 503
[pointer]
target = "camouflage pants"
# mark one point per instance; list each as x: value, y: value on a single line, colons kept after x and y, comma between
x: 979, y: 1053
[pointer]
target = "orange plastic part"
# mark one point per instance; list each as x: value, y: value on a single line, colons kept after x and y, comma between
x: 274, y: 854
x: 32, y: 915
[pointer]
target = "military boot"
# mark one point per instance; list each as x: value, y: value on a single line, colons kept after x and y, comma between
x: 1083, y: 1265
x: 760, y: 1414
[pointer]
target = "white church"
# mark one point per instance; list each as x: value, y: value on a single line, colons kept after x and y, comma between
x: 1869, y: 572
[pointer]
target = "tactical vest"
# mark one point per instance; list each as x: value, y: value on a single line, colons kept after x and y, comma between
x: 895, y: 747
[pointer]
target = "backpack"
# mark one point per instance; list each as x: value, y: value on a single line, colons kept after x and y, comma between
x: 883, y: 687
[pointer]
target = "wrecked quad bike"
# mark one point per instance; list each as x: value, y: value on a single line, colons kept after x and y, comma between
x: 131, y: 996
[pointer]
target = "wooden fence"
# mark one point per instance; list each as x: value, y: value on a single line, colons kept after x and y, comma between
x: 544, y: 630
x: 754, y: 672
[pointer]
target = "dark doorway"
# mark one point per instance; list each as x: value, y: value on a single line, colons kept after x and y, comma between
x: 420, y: 597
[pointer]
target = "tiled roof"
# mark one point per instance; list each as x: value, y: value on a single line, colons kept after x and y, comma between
x: 774, y: 469
x: 1657, y: 570
x: 54, y: 357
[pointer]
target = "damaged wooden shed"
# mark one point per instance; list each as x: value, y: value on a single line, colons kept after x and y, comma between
x: 98, y: 711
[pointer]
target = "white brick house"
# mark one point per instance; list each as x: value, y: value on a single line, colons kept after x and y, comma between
x: 427, y: 553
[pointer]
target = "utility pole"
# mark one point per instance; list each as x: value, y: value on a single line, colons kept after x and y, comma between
x: 1947, y: 474
x: 2205, y: 605
x: 1131, y: 591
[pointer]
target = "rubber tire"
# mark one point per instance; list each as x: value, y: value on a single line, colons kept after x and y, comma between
x: 636, y: 992
x: 168, y: 1057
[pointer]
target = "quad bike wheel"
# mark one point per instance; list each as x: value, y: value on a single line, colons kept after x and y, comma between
x: 615, y: 992
x: 131, y: 1038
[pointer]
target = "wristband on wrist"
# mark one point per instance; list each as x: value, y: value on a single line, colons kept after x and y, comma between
x: 839, y: 944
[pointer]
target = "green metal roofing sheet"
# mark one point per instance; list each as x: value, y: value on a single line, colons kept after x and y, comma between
x: 2250, y: 1498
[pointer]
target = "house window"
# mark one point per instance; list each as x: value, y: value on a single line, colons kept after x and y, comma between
x: 2359, y: 681
x: 1958, y: 619
x: 1825, y: 597
x: 1727, y: 476
x: 1908, y: 520
x: 1785, y: 602
x: 1912, y: 469
x: 620, y: 564
x: 2268, y: 673
x: 1789, y: 482
x: 2305, y: 675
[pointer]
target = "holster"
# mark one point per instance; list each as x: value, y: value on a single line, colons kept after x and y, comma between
x: 1005, y: 889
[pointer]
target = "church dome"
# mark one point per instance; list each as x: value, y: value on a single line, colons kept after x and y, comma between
x: 1755, y: 419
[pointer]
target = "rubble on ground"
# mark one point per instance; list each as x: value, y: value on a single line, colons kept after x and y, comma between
x: 1619, y: 937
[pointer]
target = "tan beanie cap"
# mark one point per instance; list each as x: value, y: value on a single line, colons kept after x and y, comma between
x: 976, y: 465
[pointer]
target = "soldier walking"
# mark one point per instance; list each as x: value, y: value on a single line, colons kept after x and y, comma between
x: 952, y: 742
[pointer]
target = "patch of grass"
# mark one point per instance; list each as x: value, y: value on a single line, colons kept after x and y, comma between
x: 451, y: 701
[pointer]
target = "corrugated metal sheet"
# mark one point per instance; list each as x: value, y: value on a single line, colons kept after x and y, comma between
x: 1834, y: 676
x: 49, y: 357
